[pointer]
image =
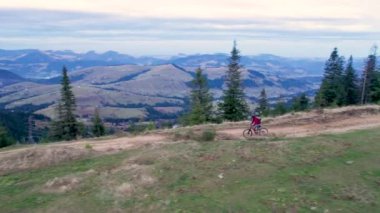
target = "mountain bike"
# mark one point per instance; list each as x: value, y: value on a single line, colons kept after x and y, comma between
x: 252, y: 131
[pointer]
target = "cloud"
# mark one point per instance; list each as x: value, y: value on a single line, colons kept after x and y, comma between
x: 80, y: 30
x: 77, y: 24
x: 208, y: 8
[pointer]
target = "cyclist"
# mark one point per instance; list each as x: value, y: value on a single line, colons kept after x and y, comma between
x: 256, y: 121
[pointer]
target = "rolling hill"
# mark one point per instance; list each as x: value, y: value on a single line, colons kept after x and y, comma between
x: 137, y: 91
x: 7, y: 78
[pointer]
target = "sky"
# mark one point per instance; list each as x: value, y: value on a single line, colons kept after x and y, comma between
x: 291, y: 28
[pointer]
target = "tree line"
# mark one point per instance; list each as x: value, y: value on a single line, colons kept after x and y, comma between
x: 232, y: 106
x: 341, y: 85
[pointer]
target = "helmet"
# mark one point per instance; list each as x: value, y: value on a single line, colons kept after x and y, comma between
x: 257, y: 113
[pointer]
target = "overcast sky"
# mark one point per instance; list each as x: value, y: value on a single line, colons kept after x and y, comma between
x: 295, y: 28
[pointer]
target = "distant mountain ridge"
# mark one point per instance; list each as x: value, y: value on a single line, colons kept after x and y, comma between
x: 33, y: 63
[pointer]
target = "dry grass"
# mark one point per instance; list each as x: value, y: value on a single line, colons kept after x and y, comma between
x: 356, y: 193
x: 61, y: 185
x: 66, y: 183
x: 124, y: 190
x: 287, y: 175
x: 38, y: 157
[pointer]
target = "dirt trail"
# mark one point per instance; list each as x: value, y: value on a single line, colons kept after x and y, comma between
x: 291, y: 125
x: 315, y: 122
x: 296, y: 130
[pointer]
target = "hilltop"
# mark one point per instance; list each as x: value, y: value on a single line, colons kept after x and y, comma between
x: 314, y: 170
x: 294, y: 125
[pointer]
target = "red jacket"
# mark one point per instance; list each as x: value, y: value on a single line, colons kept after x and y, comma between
x: 256, y: 120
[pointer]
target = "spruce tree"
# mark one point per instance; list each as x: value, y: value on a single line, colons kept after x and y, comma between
x: 301, y: 103
x: 5, y: 140
x: 98, y: 128
x: 331, y: 92
x: 200, y: 100
x: 279, y: 108
x: 351, y: 84
x: 370, y: 86
x: 234, y: 106
x: 65, y: 127
x: 263, y: 103
x: 375, y: 88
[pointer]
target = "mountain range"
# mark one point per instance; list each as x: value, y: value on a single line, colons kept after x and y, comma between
x: 46, y: 64
x: 125, y: 87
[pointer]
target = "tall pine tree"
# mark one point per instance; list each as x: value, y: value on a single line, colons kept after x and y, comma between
x: 263, y: 103
x: 65, y: 127
x: 370, y: 86
x: 234, y: 106
x: 331, y: 92
x: 351, y: 87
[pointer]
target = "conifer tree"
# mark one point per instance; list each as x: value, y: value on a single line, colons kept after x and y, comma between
x: 375, y: 89
x: 351, y: 84
x: 301, y: 103
x: 263, y: 103
x: 331, y: 91
x: 5, y: 140
x: 200, y: 100
x: 98, y: 128
x: 370, y: 86
x: 279, y: 108
x: 234, y: 106
x: 65, y: 127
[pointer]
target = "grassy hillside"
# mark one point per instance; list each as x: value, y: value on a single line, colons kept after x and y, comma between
x: 326, y: 173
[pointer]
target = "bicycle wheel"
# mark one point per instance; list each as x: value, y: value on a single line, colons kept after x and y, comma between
x: 247, y: 133
x: 263, y: 131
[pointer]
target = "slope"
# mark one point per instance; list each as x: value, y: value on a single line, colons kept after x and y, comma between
x: 8, y: 78
x: 324, y: 173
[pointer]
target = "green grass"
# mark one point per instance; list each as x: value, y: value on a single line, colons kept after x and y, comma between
x: 327, y: 173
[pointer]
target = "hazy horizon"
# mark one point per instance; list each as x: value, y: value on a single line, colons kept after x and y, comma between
x: 297, y: 28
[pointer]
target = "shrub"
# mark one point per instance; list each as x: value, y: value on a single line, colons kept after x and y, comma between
x: 208, y: 135
x: 183, y: 135
x: 88, y: 146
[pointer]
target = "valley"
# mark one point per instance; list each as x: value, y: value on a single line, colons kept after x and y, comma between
x: 142, y: 88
